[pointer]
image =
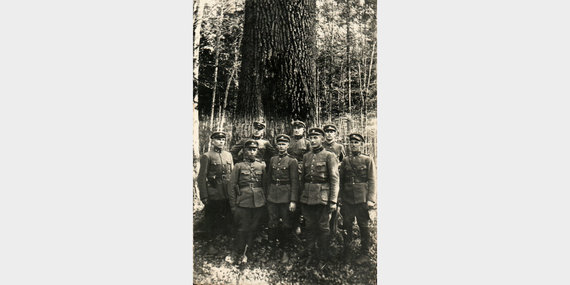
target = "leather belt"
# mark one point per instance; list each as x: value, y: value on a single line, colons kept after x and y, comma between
x: 281, y: 182
x: 315, y: 182
x: 354, y: 180
x: 254, y: 185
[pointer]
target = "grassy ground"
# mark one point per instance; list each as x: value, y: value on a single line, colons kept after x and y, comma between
x: 262, y: 268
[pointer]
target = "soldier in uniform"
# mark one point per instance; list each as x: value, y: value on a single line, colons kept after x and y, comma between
x: 213, y: 178
x: 358, y: 195
x: 319, y: 191
x: 330, y: 143
x: 282, y: 193
x: 247, y: 198
x: 299, y: 145
x: 265, y: 150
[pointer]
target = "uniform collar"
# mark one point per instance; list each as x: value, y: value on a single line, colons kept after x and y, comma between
x: 250, y: 160
x: 256, y: 138
x: 282, y: 155
x: 328, y: 143
x: 356, y: 153
x: 317, y: 149
x: 298, y: 137
x: 217, y: 149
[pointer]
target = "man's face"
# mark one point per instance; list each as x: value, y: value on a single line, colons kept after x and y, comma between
x: 330, y: 135
x: 282, y: 147
x: 316, y: 140
x: 356, y: 145
x: 298, y: 130
x: 219, y: 142
x: 250, y: 152
x: 259, y: 132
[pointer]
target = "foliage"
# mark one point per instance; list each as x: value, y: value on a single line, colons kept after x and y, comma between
x: 264, y: 268
x: 331, y: 59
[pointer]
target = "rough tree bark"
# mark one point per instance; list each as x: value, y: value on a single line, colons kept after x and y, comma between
x: 278, y: 65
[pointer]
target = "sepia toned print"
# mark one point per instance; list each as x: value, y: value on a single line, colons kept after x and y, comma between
x: 285, y: 143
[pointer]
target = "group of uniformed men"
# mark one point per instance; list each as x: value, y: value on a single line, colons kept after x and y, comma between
x: 276, y: 181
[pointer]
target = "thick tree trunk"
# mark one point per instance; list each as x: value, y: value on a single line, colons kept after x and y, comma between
x: 317, y: 101
x: 278, y: 65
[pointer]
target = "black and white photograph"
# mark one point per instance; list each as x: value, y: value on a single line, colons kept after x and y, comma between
x: 285, y: 142
x: 300, y: 142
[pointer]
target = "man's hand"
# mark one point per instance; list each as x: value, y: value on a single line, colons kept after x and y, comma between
x: 204, y: 201
x: 332, y: 207
x: 292, y: 207
x: 370, y: 205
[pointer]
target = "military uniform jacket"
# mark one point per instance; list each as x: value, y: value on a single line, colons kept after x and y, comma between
x: 246, y: 185
x: 283, y: 176
x: 264, y: 151
x: 319, y: 178
x: 298, y: 147
x: 335, y: 148
x: 214, y: 175
x: 358, y: 179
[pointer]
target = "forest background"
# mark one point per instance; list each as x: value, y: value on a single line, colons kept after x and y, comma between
x: 281, y: 60
x: 318, y: 64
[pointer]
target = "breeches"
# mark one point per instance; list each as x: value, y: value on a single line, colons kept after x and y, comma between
x: 358, y: 211
x: 317, y: 218
x: 278, y: 211
x: 247, y: 219
x: 218, y: 215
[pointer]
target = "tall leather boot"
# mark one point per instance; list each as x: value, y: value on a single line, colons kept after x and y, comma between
x: 309, y: 251
x: 364, y: 239
x: 284, y: 241
x: 240, y: 243
x: 364, y: 245
x: 324, y: 245
x: 272, y: 235
x: 286, y: 237
x: 249, y: 242
x: 211, y: 241
x: 347, y: 253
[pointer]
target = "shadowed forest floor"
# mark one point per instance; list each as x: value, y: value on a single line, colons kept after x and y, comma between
x: 263, y: 268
